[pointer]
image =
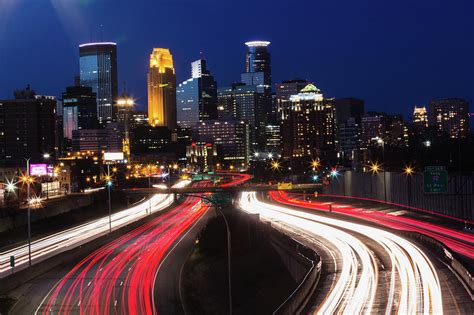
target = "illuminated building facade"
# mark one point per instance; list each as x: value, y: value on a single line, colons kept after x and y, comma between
x: 107, y: 139
x: 373, y: 125
x: 202, y: 155
x: 450, y: 117
x: 230, y: 137
x: 197, y: 96
x: 98, y: 70
x: 286, y: 89
x: 308, y: 125
x: 258, y: 77
x: 79, y: 110
x: 161, y: 89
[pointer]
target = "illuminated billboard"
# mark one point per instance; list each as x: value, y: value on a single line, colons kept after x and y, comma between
x: 38, y: 169
x: 113, y: 156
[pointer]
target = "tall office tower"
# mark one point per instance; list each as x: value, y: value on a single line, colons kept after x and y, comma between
x: 243, y: 102
x: 450, y: 116
x: 285, y: 89
x: 349, y: 138
x: 308, y: 127
x: 349, y: 107
x: 373, y: 125
x: 79, y: 111
x: 258, y: 69
x: 258, y: 73
x: 197, y: 97
x: 231, y: 137
x: 28, y: 128
x: 98, y: 65
x: 420, y: 120
x: 161, y: 89
x: 396, y: 132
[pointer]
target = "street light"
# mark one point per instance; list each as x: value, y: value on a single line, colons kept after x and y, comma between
x: 315, y: 164
x: 409, y: 171
x: 375, y: 167
x: 28, y: 179
x: 108, y: 182
x: 275, y: 165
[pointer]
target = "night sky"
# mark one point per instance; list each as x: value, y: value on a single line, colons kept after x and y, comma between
x: 394, y: 54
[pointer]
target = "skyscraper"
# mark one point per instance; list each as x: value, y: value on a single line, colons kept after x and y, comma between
x: 98, y: 70
x: 161, y: 89
x: 197, y: 96
x: 258, y: 74
x: 420, y: 120
x: 450, y: 116
x: 258, y: 69
x: 79, y: 110
x: 308, y: 126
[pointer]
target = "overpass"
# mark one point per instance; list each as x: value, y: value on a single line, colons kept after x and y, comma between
x: 220, y: 189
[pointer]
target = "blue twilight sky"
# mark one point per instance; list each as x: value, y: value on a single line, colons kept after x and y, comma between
x: 394, y: 54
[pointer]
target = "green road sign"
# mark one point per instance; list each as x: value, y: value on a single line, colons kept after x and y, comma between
x: 435, y: 179
x: 196, y: 177
x: 221, y: 198
x: 12, y: 261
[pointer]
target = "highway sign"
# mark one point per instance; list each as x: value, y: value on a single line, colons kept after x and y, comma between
x: 196, y: 177
x: 284, y: 186
x: 12, y: 261
x: 221, y: 198
x: 435, y: 179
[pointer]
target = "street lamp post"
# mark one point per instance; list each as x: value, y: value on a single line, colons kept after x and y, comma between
x: 109, y: 183
x: 29, y: 209
x: 382, y: 142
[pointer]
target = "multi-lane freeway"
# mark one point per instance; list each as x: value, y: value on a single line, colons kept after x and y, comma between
x: 56, y: 243
x: 370, y: 269
x: 120, y: 277
x: 366, y: 267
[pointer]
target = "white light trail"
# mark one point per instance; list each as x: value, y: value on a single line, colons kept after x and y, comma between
x: 419, y: 288
x: 68, y: 239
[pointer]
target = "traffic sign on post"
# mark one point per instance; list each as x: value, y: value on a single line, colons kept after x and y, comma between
x: 284, y: 186
x: 12, y: 261
x: 435, y: 179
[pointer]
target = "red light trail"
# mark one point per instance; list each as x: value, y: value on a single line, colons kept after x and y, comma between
x: 462, y: 243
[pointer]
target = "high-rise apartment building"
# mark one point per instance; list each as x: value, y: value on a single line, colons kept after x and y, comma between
x: 161, y: 89
x: 285, y: 90
x: 308, y: 125
x: 28, y: 128
x: 450, y: 117
x: 98, y: 70
x: 197, y: 96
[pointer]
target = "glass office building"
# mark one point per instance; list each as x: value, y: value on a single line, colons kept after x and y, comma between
x: 197, y: 96
x: 98, y: 70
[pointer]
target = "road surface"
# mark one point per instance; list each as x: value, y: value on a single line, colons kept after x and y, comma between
x: 376, y: 270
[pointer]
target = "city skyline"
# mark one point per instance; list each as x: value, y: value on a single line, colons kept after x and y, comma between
x: 393, y: 83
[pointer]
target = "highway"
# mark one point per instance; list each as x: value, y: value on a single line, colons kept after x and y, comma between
x: 410, y: 283
x: 54, y: 244
x: 120, y: 276
x: 458, y: 241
